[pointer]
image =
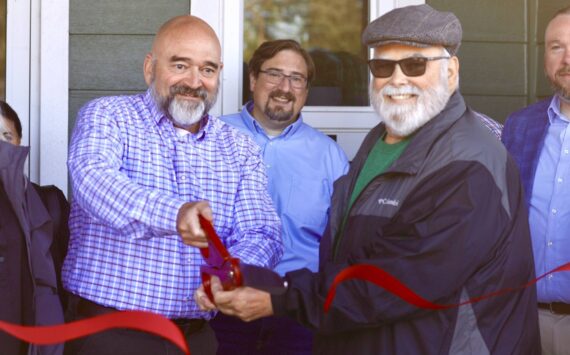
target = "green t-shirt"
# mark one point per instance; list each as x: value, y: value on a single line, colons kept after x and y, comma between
x: 380, y: 158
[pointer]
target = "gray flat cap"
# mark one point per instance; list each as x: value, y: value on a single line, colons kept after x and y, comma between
x: 418, y: 26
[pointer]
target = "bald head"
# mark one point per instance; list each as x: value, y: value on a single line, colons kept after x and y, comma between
x: 183, y: 70
x: 184, y: 26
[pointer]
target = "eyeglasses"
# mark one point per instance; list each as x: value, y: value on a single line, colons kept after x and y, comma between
x: 411, y: 66
x: 276, y: 77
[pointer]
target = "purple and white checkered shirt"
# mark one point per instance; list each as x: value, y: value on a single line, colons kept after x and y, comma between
x: 131, y: 173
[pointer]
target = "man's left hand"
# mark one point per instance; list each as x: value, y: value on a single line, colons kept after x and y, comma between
x: 245, y: 303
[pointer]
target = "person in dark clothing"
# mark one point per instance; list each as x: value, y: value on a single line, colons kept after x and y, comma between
x: 33, y: 240
x: 431, y: 198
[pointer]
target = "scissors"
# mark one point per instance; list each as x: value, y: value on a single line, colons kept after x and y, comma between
x: 231, y: 272
x: 219, y: 262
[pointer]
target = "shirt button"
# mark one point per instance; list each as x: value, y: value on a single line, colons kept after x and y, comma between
x: 268, y: 166
x: 566, y: 151
x: 554, y: 211
x: 549, y: 244
x: 183, y: 177
x: 560, y: 180
x: 550, y: 276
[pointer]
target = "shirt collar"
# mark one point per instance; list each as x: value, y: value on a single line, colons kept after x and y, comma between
x: 254, y: 126
x: 554, y: 113
x: 158, y: 116
x: 155, y: 112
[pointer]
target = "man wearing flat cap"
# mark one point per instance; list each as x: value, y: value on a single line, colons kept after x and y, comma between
x: 431, y: 198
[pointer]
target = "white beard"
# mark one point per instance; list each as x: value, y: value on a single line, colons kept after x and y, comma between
x: 404, y: 119
x: 185, y: 113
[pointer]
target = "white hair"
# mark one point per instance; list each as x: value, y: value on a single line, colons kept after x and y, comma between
x: 404, y: 119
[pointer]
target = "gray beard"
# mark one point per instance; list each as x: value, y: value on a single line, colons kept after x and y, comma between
x: 183, y: 113
x: 403, y: 120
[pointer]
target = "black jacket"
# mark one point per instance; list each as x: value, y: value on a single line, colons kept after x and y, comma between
x: 448, y: 219
x: 28, y: 281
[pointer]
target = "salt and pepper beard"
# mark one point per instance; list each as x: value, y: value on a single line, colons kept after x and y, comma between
x: 404, y: 119
x: 184, y: 113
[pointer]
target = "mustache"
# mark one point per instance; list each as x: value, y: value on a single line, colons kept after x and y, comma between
x: 564, y: 70
x: 188, y: 91
x: 280, y: 93
x: 402, y: 90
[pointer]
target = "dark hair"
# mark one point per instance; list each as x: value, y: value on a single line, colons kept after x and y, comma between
x: 270, y: 49
x: 11, y: 115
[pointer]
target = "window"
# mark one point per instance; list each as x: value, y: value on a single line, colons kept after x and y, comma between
x: 329, y: 30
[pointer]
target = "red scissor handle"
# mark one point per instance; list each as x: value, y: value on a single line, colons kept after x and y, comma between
x: 219, y: 262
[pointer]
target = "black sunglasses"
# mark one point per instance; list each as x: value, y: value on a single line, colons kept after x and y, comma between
x: 411, y: 66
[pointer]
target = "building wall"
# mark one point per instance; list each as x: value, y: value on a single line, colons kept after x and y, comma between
x: 502, y: 52
x: 501, y: 55
x: 108, y: 40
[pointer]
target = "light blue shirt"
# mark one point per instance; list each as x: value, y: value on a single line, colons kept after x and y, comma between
x: 302, y: 164
x: 549, y: 214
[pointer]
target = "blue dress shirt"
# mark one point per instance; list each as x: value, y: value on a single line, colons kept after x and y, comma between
x: 302, y: 164
x: 549, y: 213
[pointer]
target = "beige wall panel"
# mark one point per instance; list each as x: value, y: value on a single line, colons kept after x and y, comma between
x: 493, y: 68
x: 497, y: 107
x: 108, y: 62
x: 488, y: 20
x: 547, y: 8
x: 78, y: 98
x: 542, y: 83
x: 122, y: 16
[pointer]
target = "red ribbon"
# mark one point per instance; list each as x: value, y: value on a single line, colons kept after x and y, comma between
x: 391, y: 284
x: 138, y: 320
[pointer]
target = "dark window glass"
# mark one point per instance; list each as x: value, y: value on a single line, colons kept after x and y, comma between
x: 329, y: 30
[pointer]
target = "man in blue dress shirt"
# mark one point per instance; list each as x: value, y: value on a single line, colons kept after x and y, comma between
x: 302, y: 165
x: 537, y: 138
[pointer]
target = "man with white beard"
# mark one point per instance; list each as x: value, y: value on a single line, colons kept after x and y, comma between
x: 432, y: 199
x: 144, y: 168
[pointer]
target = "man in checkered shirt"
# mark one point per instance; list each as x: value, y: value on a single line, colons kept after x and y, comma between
x: 143, y: 168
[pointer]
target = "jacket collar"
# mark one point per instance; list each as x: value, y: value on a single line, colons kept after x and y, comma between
x: 12, y: 156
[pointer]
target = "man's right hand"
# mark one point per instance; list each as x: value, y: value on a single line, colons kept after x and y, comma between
x: 188, y: 224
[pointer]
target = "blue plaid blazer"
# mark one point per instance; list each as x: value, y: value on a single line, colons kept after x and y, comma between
x: 523, y: 136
